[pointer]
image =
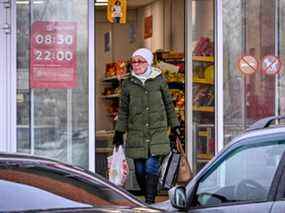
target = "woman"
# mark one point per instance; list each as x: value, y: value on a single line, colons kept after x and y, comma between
x: 117, y: 12
x: 146, y: 111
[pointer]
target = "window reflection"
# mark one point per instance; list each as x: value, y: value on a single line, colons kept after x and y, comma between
x: 53, y: 122
x: 245, y: 174
x: 248, y: 29
x: 37, y: 188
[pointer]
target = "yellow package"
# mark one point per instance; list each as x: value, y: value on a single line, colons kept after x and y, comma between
x: 117, y: 11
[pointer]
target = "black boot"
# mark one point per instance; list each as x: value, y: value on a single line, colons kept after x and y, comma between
x: 151, y: 188
x: 141, y: 182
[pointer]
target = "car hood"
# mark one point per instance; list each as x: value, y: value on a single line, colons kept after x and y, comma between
x: 113, y: 209
x: 164, y: 206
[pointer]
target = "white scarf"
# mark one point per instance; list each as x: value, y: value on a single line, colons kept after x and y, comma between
x: 143, y: 77
x: 148, y: 56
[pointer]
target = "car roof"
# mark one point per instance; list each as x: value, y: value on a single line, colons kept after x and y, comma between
x: 259, y: 132
x: 21, y: 156
x: 266, y: 122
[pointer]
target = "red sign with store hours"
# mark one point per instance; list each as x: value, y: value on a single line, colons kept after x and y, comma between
x: 53, y: 55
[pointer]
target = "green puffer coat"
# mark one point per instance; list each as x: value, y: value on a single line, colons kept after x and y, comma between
x: 146, y: 111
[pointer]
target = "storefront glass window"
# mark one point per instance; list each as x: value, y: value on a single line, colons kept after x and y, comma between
x: 249, y: 80
x: 281, y: 49
x: 203, y: 81
x: 52, y: 79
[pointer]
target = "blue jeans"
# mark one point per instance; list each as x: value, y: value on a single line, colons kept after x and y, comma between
x: 145, y: 167
x: 116, y: 19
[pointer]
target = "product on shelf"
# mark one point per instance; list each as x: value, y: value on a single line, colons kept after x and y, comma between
x: 110, y: 70
x: 204, y: 47
x: 121, y: 68
x: 173, y: 77
x: 203, y: 74
x: 108, y: 91
x: 203, y: 95
x: 118, y: 68
x: 114, y: 72
x: 204, y: 100
x: 206, y: 145
x: 112, y: 109
x: 171, y: 55
x: 111, y: 91
x: 173, y: 69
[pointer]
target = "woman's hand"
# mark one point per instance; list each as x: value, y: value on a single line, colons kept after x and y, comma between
x: 118, y: 138
x: 175, y: 131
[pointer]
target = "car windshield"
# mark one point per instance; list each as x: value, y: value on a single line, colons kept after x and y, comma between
x: 245, y: 175
x: 41, y: 187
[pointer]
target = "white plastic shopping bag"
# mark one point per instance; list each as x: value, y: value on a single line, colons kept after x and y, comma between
x: 118, y: 168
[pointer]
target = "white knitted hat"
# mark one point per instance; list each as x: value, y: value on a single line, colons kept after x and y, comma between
x: 145, y: 53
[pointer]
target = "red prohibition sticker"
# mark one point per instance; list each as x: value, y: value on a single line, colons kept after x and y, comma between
x: 248, y: 64
x: 271, y: 65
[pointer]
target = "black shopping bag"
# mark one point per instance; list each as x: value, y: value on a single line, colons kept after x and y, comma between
x: 169, y: 170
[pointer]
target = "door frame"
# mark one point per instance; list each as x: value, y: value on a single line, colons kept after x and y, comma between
x: 190, y: 147
x: 91, y: 84
x: 219, y: 78
x: 8, y: 79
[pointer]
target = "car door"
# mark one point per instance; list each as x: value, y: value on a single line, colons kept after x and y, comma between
x: 243, y: 179
x: 32, y: 186
x: 279, y: 204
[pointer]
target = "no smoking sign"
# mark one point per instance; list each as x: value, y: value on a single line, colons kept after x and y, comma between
x: 248, y: 64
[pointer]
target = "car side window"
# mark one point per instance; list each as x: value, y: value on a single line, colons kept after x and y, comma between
x: 32, y: 188
x: 245, y: 175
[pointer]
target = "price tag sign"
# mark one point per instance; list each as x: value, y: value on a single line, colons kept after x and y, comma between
x: 53, y: 55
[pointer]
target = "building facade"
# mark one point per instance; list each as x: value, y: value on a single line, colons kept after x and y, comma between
x: 48, y: 73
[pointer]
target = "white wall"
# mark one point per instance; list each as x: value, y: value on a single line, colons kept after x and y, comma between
x: 178, y: 25
x: 155, y: 9
x: 168, y: 25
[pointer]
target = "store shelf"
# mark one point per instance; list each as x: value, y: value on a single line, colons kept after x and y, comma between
x: 176, y: 85
x: 173, y: 56
x: 203, y: 58
x: 205, y: 157
x: 111, y: 96
x: 105, y: 133
x: 175, y: 82
x: 202, y: 161
x: 200, y: 81
x: 104, y: 150
x: 203, y: 109
x: 203, y: 133
x: 114, y: 78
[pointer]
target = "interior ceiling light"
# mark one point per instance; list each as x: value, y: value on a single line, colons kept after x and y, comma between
x: 101, y: 3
